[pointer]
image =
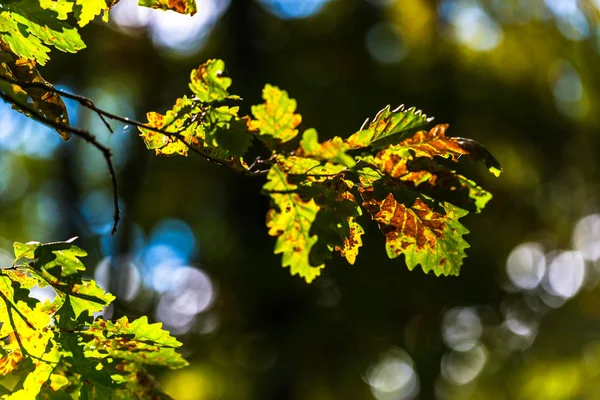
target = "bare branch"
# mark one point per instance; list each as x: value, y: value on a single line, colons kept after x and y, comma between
x: 103, y: 114
x: 85, y: 135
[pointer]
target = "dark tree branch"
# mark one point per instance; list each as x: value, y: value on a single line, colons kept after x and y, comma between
x: 85, y: 135
x: 104, y: 115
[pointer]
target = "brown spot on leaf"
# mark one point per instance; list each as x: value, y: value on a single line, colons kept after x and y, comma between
x: 404, y: 227
x: 178, y: 5
x: 434, y: 143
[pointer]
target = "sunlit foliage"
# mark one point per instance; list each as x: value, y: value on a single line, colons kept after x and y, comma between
x: 393, y: 170
x: 58, y: 346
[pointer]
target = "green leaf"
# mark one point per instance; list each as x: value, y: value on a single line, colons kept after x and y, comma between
x: 368, y: 176
x: 443, y: 184
x: 176, y: 121
x: 224, y: 131
x: 58, y: 265
x: 295, y: 165
x: 136, y: 341
x: 197, y: 124
x: 61, y: 7
x: 352, y: 232
x: 23, y: 323
x: 96, y: 376
x: 313, y: 216
x: 34, y: 380
x: 58, y: 259
x: 332, y: 150
x: 389, y: 124
x: 89, y: 9
x: 215, y: 131
x: 290, y: 220
x: 412, y: 161
x: 63, y: 255
x: 335, y: 225
x: 85, y: 295
x: 479, y: 196
x: 141, y: 385
x: 180, y: 6
x: 73, y: 357
x: 275, y: 121
x: 425, y: 236
x: 209, y: 83
x: 29, y: 29
x: 352, y: 242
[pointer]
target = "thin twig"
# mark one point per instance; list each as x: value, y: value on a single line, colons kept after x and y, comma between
x: 104, y: 116
x: 88, y: 137
x: 89, y: 104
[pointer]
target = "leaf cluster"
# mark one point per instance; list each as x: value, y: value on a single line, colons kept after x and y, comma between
x: 57, y: 349
x: 392, y: 170
x: 30, y: 27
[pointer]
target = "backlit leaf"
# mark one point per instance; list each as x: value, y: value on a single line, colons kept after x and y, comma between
x: 290, y: 220
x: 368, y: 176
x: 352, y: 242
x: 176, y: 121
x: 96, y: 376
x: 225, y: 132
x: 23, y: 323
x: 433, y: 143
x: 332, y: 150
x: 353, y: 237
x: 140, y: 385
x: 42, y: 370
x: 425, y: 236
x: 392, y: 161
x: 136, y: 341
x: 479, y: 196
x: 275, y: 121
x: 61, y: 7
x: 28, y: 29
x: 58, y: 265
x: 85, y: 295
x: 209, y: 83
x: 399, y: 123
x: 445, y: 185
x: 180, y: 6
x: 213, y: 130
x: 87, y: 10
x: 295, y: 165
x: 336, y: 223
x: 57, y: 348
x: 314, y: 217
x: 412, y: 161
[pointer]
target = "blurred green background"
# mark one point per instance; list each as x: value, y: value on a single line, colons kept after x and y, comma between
x: 520, y: 76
